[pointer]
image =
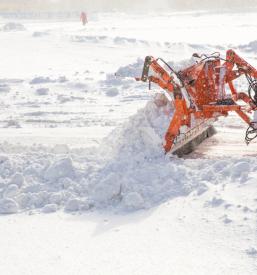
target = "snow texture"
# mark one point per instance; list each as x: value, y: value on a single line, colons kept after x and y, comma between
x: 13, y: 26
x: 128, y: 172
x: 78, y: 135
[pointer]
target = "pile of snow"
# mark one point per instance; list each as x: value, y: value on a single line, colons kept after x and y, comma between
x: 123, y: 80
x: 77, y: 85
x: 250, y: 47
x: 89, y: 38
x: 48, y: 183
x: 40, y: 33
x: 112, y: 92
x: 131, y: 70
x: 111, y: 40
x: 130, y: 41
x: 128, y: 172
x: 125, y: 41
x: 42, y: 91
x: 43, y: 80
x: 4, y: 88
x: 12, y: 123
x: 142, y: 135
x: 13, y: 26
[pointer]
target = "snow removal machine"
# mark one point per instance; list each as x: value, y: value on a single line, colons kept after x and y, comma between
x: 199, y: 95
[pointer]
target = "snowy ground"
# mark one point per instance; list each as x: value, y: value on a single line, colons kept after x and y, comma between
x: 82, y: 143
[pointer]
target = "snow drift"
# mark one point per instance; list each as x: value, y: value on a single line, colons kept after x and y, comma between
x: 128, y: 172
x: 13, y: 26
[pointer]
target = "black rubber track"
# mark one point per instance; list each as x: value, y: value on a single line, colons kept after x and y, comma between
x: 190, y: 146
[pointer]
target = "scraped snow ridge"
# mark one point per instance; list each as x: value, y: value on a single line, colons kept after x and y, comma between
x: 40, y: 33
x: 43, y: 80
x: 131, y: 70
x: 126, y: 41
x: 4, y: 88
x: 13, y: 26
x: 250, y: 47
x: 111, y: 40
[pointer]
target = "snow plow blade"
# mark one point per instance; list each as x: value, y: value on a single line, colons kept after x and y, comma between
x: 188, y: 146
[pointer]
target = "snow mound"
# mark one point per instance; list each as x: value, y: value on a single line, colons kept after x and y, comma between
x: 250, y: 47
x: 40, y: 34
x: 60, y: 169
x: 42, y: 91
x: 12, y: 124
x: 13, y: 26
x: 106, y: 39
x: 130, y: 41
x: 78, y: 85
x: 142, y: 134
x: 44, y: 80
x: 131, y: 70
x: 252, y: 252
x: 126, y: 178
x: 88, y: 38
x: 111, y: 92
x: 128, y: 172
x: 8, y: 206
x: 4, y: 88
x: 137, y: 174
x: 125, y: 41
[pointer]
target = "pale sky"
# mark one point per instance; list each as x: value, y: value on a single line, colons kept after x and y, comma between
x: 139, y: 5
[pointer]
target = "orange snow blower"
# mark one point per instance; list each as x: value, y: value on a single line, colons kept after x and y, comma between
x: 200, y: 97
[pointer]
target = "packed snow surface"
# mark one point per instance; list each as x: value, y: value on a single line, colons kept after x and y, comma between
x: 80, y: 136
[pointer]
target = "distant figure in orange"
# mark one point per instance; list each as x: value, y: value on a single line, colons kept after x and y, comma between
x: 83, y: 18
